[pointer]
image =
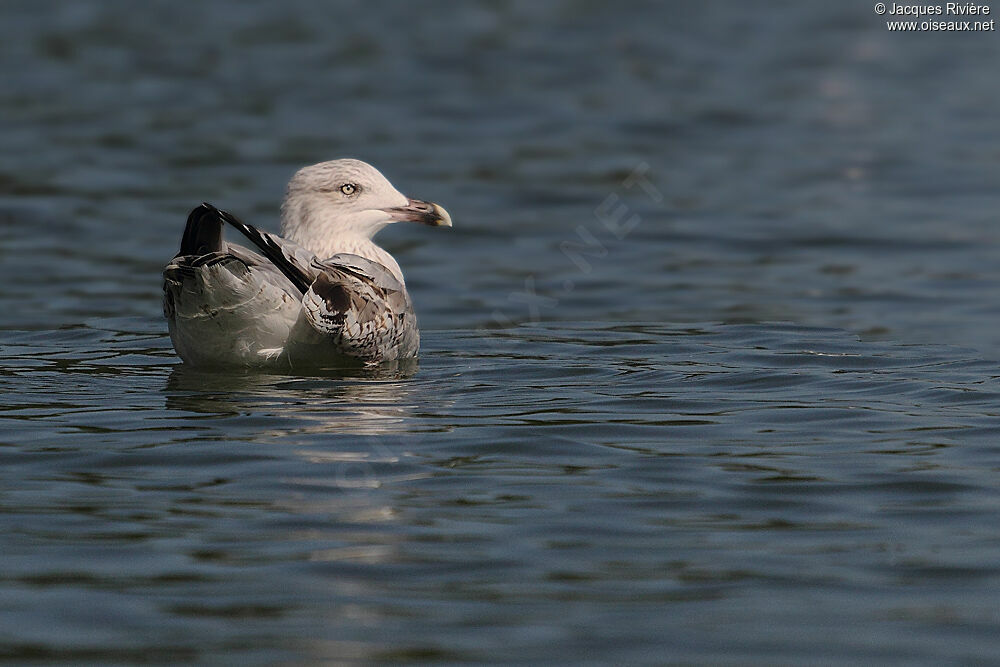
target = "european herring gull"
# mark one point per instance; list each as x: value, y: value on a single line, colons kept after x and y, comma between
x: 320, y: 294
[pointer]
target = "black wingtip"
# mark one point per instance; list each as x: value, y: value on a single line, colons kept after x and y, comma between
x: 203, y: 232
x: 266, y: 246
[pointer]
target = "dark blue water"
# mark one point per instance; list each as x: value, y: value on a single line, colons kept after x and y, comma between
x: 709, y: 359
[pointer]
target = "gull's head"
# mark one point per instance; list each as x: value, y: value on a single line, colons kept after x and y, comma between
x: 348, y: 198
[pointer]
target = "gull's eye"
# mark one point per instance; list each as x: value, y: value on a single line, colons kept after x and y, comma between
x: 348, y: 189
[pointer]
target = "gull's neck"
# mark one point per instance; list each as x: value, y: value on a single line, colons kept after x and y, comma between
x: 325, y: 236
x: 355, y: 245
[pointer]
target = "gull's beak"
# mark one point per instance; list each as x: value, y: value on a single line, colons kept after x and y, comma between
x: 424, y: 212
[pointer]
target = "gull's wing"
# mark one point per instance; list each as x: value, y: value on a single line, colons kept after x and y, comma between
x: 293, y: 261
x: 360, y: 307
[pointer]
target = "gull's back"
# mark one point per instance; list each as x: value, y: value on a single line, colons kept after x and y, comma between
x: 226, y: 305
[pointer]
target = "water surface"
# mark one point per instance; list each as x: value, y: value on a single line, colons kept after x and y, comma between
x: 708, y: 370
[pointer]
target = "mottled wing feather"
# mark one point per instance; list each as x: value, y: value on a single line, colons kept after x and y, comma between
x: 362, y: 309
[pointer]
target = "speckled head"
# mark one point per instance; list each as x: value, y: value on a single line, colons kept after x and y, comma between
x: 348, y: 198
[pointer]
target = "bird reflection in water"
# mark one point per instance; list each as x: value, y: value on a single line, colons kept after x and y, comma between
x: 336, y: 455
x: 359, y: 401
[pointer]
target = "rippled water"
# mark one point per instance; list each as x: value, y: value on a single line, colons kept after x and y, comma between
x: 708, y: 370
